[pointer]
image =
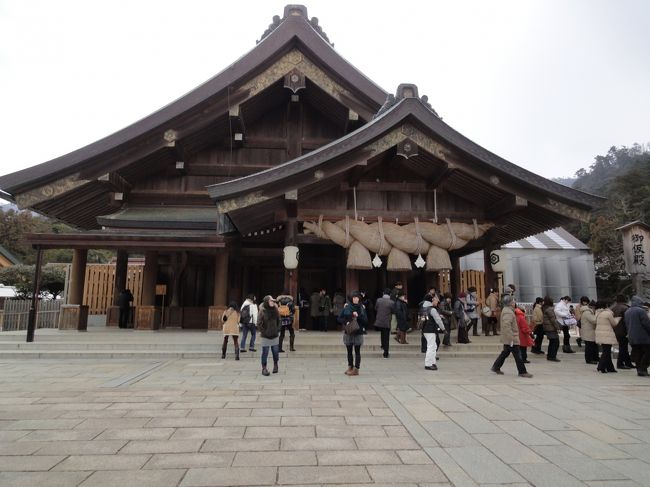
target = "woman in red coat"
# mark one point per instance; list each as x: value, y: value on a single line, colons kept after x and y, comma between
x: 525, y: 335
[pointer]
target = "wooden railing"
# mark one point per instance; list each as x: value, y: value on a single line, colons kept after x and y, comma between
x: 16, y: 314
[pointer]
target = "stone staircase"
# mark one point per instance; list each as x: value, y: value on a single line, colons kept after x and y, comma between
x: 103, y: 343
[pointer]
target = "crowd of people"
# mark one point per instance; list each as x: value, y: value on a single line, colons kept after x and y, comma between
x: 597, y: 325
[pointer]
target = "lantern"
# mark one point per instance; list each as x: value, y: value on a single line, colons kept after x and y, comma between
x: 291, y: 257
x: 498, y: 260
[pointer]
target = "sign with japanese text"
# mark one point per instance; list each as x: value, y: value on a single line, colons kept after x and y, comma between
x: 636, y: 249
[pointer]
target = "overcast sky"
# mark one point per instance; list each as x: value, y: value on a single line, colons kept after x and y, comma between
x: 546, y: 84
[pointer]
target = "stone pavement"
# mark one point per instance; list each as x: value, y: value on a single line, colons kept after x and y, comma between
x: 213, y: 422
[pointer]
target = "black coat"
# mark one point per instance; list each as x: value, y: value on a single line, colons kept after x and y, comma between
x: 401, y: 313
x: 268, y: 322
x: 638, y: 326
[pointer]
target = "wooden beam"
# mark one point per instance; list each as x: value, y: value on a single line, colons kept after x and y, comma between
x: 505, y: 206
x: 406, y: 216
x: 435, y: 181
x: 386, y: 186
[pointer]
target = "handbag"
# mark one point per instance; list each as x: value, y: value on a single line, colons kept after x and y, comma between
x: 570, y: 322
x: 487, y: 311
x: 351, y: 327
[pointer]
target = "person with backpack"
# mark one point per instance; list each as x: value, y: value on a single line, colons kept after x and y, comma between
x: 230, y: 319
x: 384, y: 309
x: 268, y: 324
x: 286, y: 309
x: 431, y: 324
x: 247, y: 320
x: 354, y: 321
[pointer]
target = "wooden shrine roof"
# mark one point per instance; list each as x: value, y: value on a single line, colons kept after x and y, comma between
x: 195, y: 110
x: 408, y: 119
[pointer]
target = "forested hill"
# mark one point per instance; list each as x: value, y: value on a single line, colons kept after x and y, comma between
x: 623, y: 177
x: 601, y: 175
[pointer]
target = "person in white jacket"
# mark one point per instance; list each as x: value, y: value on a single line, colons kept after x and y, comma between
x: 248, y: 322
x: 562, y: 314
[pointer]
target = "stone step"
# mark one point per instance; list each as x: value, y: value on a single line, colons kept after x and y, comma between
x: 172, y: 355
x: 215, y: 346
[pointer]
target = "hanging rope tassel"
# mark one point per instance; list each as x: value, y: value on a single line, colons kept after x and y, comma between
x: 380, y: 229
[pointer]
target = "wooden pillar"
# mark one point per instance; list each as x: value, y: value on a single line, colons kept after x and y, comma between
x: 121, y: 271
x: 33, y: 310
x: 491, y: 278
x: 291, y: 275
x: 351, y: 281
x: 77, y: 276
x: 74, y: 315
x: 220, y: 291
x: 454, y: 276
x: 147, y: 315
x: 149, y: 278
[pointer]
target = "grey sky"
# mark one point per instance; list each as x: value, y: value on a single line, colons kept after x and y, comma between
x: 546, y: 84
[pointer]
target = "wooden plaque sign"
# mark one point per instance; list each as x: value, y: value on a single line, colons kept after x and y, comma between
x: 636, y: 247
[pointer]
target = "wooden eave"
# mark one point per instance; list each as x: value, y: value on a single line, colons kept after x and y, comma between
x: 488, y: 170
x: 147, y: 135
x: 131, y: 241
x: 163, y: 217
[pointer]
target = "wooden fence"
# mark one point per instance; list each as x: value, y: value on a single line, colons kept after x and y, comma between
x: 99, y: 284
x: 476, y: 279
x: 16, y: 314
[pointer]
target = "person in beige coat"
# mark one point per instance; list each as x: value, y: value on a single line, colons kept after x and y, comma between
x: 588, y: 330
x: 509, y: 338
x: 230, y: 319
x: 605, y: 336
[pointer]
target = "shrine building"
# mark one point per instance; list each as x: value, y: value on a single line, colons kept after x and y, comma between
x: 291, y: 170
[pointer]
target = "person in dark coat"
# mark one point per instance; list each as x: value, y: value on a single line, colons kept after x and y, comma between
x: 623, y: 361
x: 551, y: 329
x: 384, y: 309
x: 401, y: 313
x: 461, y: 318
x: 268, y: 325
x: 446, y: 311
x: 638, y: 332
x: 286, y: 309
x: 354, y: 309
x: 124, y: 300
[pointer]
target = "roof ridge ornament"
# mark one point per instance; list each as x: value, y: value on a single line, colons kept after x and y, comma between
x: 405, y: 90
x: 295, y: 10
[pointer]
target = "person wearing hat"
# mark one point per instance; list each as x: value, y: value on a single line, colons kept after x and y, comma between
x: 354, y: 310
x: 268, y: 325
x: 510, y: 338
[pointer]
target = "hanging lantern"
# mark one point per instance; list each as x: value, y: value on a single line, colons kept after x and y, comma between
x: 376, y: 261
x: 498, y: 260
x: 291, y: 257
x: 419, y: 262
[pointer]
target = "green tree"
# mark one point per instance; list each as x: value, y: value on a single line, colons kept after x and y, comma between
x: 22, y: 278
x: 622, y: 176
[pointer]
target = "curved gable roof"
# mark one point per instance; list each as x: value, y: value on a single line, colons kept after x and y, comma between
x: 293, y: 30
x: 300, y: 171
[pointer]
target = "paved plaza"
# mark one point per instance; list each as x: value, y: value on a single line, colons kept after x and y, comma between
x: 209, y: 422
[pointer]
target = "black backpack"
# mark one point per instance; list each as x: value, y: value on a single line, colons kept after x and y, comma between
x: 245, y: 315
x: 423, y: 315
